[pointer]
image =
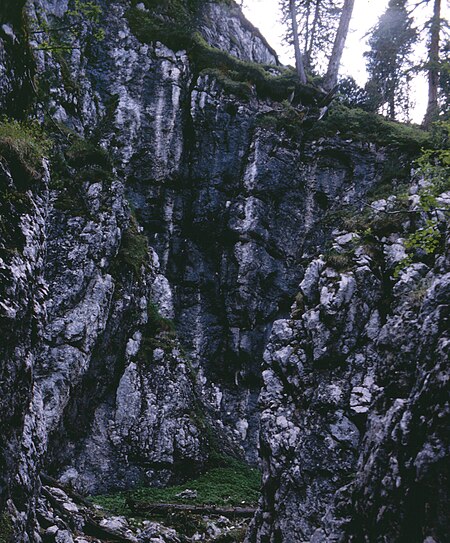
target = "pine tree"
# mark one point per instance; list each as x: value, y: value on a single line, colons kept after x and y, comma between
x: 388, y: 60
x: 316, y: 22
x: 433, y: 64
x: 444, y: 80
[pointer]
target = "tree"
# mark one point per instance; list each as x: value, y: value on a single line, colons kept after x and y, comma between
x: 338, y: 46
x: 298, y: 54
x: 318, y: 30
x: 433, y: 64
x: 311, y: 29
x: 444, y: 80
x: 388, y: 60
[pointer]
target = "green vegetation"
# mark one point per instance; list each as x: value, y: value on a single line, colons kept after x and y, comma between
x: 80, y: 21
x: 84, y: 153
x: 173, y: 24
x: 354, y: 123
x: 299, y: 306
x: 159, y: 333
x: 340, y: 261
x: 288, y: 118
x: 79, y: 162
x: 6, y: 529
x: 133, y: 252
x: 233, y: 486
x: 427, y: 239
x: 24, y: 144
x: 434, y: 168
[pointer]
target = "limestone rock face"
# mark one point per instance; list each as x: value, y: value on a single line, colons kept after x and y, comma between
x: 147, y: 275
x: 225, y: 27
x: 229, y: 205
x: 354, y: 423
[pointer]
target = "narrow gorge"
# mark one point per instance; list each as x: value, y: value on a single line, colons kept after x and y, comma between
x: 208, y: 269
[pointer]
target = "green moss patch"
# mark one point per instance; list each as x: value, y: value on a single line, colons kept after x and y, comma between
x: 354, y: 123
x: 177, y: 29
x: 224, y: 486
x: 133, y: 252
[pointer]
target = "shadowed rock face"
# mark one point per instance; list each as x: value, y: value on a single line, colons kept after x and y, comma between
x: 230, y: 210
x: 354, y: 423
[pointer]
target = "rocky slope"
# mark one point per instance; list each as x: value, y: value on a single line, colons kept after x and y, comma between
x: 134, y: 340
x: 355, y: 413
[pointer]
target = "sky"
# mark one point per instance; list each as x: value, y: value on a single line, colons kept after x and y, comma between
x: 264, y: 14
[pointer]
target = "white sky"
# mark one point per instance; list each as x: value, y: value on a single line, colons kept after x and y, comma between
x: 265, y: 15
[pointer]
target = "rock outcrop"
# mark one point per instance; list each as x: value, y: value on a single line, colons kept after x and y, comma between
x: 149, y: 264
x: 354, y: 423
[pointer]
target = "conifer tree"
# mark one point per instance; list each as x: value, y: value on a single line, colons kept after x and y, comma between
x: 311, y: 28
x: 388, y: 60
x: 433, y: 64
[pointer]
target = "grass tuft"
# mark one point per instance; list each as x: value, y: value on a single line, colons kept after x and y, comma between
x: 223, y: 486
x: 24, y: 144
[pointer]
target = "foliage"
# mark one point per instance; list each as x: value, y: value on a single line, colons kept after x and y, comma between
x: 234, y: 485
x: 444, y: 79
x: 82, y: 20
x: 24, y: 144
x: 133, y: 252
x: 388, y: 58
x: 364, y: 126
x: 6, y: 529
x: 352, y: 95
x: 317, y: 23
x: 287, y: 119
x: 434, y: 169
x: 426, y: 239
x: 237, y: 76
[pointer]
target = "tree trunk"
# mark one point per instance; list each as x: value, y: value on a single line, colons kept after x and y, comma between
x: 167, y: 508
x: 433, y: 67
x: 298, y: 55
x: 308, y: 56
x: 338, y: 46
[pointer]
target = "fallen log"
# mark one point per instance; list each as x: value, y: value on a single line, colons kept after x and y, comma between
x: 167, y: 508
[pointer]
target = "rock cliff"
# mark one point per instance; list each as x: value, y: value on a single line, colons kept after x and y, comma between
x: 155, y: 229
